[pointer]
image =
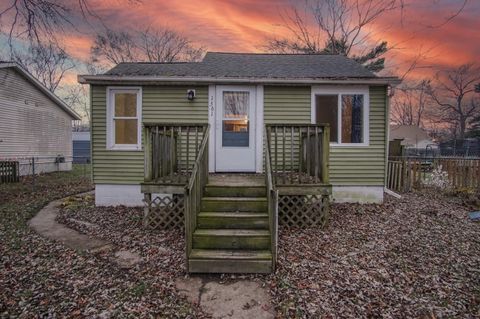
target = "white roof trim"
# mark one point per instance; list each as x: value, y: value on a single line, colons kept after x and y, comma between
x: 41, y: 87
x: 102, y: 79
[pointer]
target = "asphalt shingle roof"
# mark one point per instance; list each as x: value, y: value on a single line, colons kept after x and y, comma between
x: 249, y: 65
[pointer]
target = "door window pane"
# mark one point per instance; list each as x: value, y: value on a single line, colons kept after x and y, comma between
x: 235, y: 133
x: 125, y: 104
x: 125, y: 131
x: 352, y: 118
x: 235, y: 104
x: 235, y: 123
x: 327, y: 112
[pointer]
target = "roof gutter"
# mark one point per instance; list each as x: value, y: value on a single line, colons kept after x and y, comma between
x: 109, y: 79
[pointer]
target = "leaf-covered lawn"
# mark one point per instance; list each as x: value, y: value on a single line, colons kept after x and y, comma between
x: 414, y: 257
x: 40, y: 278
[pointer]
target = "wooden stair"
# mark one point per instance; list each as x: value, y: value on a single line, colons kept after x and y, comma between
x: 232, y: 234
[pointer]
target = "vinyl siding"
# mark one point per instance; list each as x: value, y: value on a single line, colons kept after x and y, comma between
x: 161, y: 104
x: 348, y: 165
x: 31, y: 124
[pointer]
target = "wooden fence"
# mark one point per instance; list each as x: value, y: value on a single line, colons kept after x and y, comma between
x: 9, y: 172
x: 403, y: 174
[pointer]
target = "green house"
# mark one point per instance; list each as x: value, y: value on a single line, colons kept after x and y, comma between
x: 231, y: 147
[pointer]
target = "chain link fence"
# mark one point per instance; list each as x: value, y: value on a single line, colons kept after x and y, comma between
x: 29, y: 168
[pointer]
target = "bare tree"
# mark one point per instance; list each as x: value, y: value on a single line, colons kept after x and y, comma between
x: 47, y: 63
x: 410, y: 103
x: 40, y: 21
x: 339, y: 27
x: 161, y: 45
x: 76, y: 96
x: 453, y: 93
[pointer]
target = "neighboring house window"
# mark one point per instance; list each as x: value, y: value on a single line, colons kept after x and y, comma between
x: 345, y: 110
x: 124, y: 118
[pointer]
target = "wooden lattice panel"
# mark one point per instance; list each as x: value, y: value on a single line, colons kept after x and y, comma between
x: 303, y: 211
x: 164, y: 212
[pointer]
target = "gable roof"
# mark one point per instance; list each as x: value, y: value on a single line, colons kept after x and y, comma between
x: 30, y: 78
x: 246, y: 67
x: 411, y: 134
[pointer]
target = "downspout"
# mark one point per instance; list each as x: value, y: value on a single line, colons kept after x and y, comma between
x: 387, y: 134
x: 90, y: 95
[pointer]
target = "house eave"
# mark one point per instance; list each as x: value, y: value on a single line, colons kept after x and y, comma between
x: 111, y: 79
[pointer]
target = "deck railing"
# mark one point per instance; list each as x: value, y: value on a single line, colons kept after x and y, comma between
x: 171, y: 151
x: 272, y: 198
x: 299, y: 153
x: 194, y: 191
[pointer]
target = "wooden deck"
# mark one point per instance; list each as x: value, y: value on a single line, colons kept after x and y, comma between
x: 231, y: 220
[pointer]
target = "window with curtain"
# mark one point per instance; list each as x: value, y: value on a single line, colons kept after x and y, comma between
x: 327, y: 112
x: 236, y: 105
x: 124, y: 119
x: 352, y: 118
x: 344, y: 113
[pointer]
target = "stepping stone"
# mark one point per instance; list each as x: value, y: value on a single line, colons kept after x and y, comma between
x: 126, y: 259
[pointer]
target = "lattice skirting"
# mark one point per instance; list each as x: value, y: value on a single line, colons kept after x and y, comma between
x: 302, y: 211
x: 164, y: 212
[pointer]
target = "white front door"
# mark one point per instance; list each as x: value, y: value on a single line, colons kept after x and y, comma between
x: 235, y: 125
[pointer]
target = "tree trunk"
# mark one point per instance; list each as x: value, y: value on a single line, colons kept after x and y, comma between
x: 462, y: 129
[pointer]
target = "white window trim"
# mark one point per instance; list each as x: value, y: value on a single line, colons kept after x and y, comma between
x: 110, y: 112
x: 344, y: 90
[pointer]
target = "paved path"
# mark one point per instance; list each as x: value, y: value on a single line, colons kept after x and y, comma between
x: 45, y: 224
x: 243, y: 299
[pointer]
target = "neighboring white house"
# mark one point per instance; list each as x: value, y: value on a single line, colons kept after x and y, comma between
x: 33, y: 123
x: 412, y: 136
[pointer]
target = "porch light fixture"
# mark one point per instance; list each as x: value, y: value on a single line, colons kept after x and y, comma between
x: 190, y: 95
x: 390, y: 91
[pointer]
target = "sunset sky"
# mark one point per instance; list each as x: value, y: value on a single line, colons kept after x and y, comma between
x: 244, y: 26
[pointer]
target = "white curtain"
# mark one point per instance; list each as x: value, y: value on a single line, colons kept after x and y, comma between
x: 235, y: 104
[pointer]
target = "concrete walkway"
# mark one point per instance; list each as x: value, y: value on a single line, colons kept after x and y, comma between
x: 243, y: 299
x: 44, y: 223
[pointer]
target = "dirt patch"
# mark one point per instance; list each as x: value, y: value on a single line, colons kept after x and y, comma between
x: 241, y: 299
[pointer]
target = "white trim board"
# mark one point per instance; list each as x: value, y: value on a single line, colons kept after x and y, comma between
x: 211, y: 122
x: 260, y: 125
x: 110, y: 114
x: 339, y: 90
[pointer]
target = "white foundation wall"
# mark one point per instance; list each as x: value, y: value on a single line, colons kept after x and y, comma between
x: 357, y: 194
x: 115, y: 195
x: 130, y: 195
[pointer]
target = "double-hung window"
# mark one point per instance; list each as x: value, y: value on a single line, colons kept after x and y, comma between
x: 124, y: 119
x: 346, y: 111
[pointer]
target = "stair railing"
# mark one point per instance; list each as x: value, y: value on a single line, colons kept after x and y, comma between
x: 170, y: 151
x: 272, y: 198
x: 300, y: 153
x: 194, y: 192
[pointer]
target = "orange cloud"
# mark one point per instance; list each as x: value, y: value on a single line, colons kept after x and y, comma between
x: 243, y: 25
